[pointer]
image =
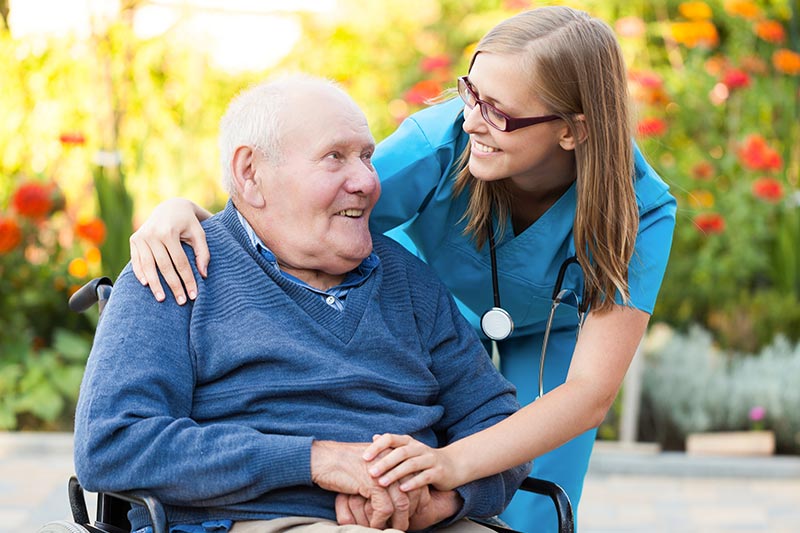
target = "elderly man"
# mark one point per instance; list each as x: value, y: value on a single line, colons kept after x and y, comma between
x: 249, y: 408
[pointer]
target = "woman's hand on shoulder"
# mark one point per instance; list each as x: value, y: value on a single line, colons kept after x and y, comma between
x: 156, y: 247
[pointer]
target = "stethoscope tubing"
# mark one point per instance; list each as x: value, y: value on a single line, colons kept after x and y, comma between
x: 499, y: 317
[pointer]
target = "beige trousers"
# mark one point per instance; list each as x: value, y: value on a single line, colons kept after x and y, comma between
x: 304, y: 524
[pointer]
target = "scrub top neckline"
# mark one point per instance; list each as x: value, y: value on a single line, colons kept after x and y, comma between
x: 553, y: 222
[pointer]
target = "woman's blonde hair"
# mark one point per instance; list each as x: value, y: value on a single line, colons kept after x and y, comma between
x: 575, y: 67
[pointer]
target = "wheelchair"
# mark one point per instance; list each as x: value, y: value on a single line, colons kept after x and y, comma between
x: 113, y: 507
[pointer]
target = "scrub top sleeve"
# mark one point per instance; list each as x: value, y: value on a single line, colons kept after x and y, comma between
x: 412, y: 162
x: 651, y: 253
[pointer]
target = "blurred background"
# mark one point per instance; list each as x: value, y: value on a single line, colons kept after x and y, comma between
x: 108, y: 107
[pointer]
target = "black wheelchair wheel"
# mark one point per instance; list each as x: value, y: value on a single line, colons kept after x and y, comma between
x: 62, y: 526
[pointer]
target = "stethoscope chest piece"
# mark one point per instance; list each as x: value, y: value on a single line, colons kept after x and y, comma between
x: 496, y: 324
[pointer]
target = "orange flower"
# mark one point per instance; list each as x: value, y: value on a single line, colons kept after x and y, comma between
x: 72, y: 138
x: 709, y: 223
x: 770, y: 31
x: 703, y: 171
x: 768, y: 189
x: 423, y: 91
x: 78, y: 268
x: 93, y: 256
x: 10, y: 234
x: 695, y: 10
x: 701, y: 199
x: 756, y: 154
x: 753, y: 64
x: 695, y: 33
x: 786, y: 61
x: 742, y: 8
x: 432, y: 63
x: 652, y: 127
x: 93, y: 230
x: 33, y: 200
x: 716, y: 65
x: 736, y: 79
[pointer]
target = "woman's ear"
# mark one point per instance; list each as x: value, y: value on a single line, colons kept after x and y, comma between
x: 246, y: 180
x: 569, y: 139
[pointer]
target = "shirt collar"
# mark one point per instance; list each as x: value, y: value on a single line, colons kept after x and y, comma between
x: 353, y: 278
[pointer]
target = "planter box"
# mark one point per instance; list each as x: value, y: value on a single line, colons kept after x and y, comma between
x: 738, y: 443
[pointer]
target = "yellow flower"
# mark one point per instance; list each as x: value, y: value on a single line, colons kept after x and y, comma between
x: 695, y: 10
x: 742, y: 8
x: 695, y: 33
x: 78, y: 268
x: 93, y: 256
x: 700, y: 199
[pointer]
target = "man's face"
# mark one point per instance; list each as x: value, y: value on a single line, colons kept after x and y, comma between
x: 320, y: 194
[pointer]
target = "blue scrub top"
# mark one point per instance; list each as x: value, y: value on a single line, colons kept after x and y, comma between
x: 416, y: 166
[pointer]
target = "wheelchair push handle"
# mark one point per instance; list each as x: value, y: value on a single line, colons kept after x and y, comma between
x: 96, y: 291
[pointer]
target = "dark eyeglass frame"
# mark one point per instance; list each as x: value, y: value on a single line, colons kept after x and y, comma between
x: 465, y: 90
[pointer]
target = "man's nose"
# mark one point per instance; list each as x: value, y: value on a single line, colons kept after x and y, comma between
x: 362, y: 179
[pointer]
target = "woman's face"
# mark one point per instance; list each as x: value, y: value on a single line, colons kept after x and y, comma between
x: 532, y: 157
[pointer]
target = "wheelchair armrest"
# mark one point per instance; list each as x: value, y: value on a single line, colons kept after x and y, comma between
x: 158, y: 518
x: 566, y: 521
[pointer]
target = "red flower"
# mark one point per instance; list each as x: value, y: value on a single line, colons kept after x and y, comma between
x: 10, y: 234
x: 756, y: 154
x: 736, y: 79
x: 429, y: 64
x: 770, y: 31
x: 652, y: 127
x: 423, y: 91
x: 709, y: 223
x: 768, y: 189
x: 93, y: 230
x: 72, y: 138
x: 703, y: 171
x: 33, y: 200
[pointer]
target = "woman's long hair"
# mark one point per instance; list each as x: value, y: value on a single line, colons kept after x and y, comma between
x: 575, y: 66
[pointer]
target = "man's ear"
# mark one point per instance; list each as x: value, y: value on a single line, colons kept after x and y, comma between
x: 246, y: 180
x: 570, y: 138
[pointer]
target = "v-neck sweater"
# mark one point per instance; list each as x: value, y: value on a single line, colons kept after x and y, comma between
x: 213, y: 406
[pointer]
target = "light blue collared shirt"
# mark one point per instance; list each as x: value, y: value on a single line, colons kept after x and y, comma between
x: 334, y: 296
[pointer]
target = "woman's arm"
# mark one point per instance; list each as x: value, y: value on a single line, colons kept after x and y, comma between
x: 602, y: 356
x: 156, y: 247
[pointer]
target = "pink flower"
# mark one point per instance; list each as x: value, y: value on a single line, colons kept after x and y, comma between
x: 757, y: 413
x: 432, y: 63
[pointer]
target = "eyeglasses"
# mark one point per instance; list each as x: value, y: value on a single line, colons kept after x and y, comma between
x: 493, y: 116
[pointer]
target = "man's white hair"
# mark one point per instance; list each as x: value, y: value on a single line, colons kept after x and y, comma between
x: 256, y: 117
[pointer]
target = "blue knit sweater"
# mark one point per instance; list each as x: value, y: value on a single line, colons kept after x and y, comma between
x: 213, y: 406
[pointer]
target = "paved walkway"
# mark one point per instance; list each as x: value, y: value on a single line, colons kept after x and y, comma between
x: 631, y: 490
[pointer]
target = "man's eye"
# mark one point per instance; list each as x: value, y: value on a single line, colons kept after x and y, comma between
x: 335, y: 156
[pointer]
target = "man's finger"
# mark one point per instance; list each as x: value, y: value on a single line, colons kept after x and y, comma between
x: 343, y: 513
x: 382, y: 508
x: 401, y: 504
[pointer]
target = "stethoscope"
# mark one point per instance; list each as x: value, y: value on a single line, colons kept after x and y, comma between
x: 497, y: 324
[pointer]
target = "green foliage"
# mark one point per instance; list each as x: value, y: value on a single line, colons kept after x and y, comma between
x: 690, y: 385
x: 43, y: 346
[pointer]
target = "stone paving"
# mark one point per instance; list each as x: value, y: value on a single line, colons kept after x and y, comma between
x: 626, y: 490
